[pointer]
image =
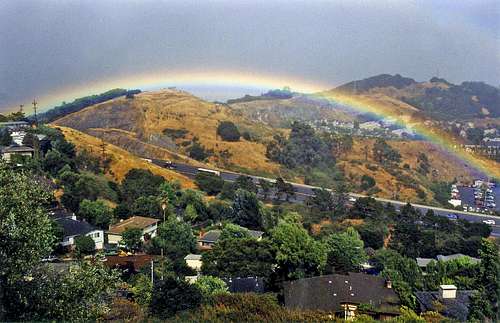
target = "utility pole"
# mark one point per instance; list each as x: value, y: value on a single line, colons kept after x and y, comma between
x: 34, y: 109
x: 152, y: 273
x: 21, y: 108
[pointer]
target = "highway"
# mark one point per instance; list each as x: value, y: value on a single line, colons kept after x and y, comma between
x: 303, y: 191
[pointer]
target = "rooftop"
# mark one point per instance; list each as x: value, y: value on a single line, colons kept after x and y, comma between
x: 192, y: 257
x: 329, y: 292
x: 213, y: 235
x: 140, y: 222
x: 457, y: 308
x: 17, y: 149
x: 74, y: 227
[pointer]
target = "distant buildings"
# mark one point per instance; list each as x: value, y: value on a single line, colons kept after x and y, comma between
x: 423, y: 262
x: 8, y: 152
x: 207, y: 240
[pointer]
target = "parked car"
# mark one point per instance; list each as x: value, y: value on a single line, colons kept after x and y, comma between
x: 489, y: 222
x: 452, y: 216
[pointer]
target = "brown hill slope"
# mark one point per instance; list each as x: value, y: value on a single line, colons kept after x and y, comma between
x: 121, y: 161
x: 163, y: 124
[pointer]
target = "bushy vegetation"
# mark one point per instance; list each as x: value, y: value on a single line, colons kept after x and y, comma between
x: 228, y: 131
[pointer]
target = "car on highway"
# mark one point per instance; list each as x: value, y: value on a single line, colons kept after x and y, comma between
x: 489, y: 222
x: 452, y: 216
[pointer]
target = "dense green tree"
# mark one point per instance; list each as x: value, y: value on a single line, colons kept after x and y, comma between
x: 345, y: 251
x: 83, y: 293
x: 489, y: 273
x: 283, y: 188
x: 140, y: 182
x: 210, y: 286
x: 265, y: 188
x: 172, y: 295
x: 475, y: 135
x: 122, y: 211
x: 367, y: 182
x: 220, y: 211
x: 5, y: 138
x: 373, y: 235
x: 240, y: 257
x: 247, y: 210
x: 132, y: 239
x: 84, y: 245
x: 26, y: 233
x: 233, y: 231
x: 298, y: 255
x: 246, y: 183
x: 148, y: 206
x: 96, y: 213
x: 199, y: 152
x: 194, y: 198
x: 54, y: 161
x: 322, y: 200
x: 175, y: 238
x: 228, y: 131
x: 211, y: 184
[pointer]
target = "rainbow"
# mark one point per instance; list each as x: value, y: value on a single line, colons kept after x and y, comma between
x: 158, y: 80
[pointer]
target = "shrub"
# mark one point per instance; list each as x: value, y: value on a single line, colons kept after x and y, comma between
x: 367, y: 182
x: 84, y: 245
x: 173, y: 295
x: 228, y: 131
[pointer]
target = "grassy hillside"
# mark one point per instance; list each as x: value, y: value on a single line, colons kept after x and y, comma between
x: 166, y: 124
x: 121, y: 160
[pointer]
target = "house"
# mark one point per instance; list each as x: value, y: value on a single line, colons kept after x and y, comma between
x: 344, y: 295
x: 14, y: 125
x: 194, y: 261
x: 449, y: 301
x: 423, y: 262
x: 208, y: 239
x: 8, y: 152
x: 73, y: 228
x: 245, y: 284
x: 147, y: 225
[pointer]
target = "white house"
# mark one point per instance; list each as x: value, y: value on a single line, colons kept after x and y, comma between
x: 194, y: 261
x: 73, y: 228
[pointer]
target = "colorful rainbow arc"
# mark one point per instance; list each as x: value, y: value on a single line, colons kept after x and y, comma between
x: 159, y: 80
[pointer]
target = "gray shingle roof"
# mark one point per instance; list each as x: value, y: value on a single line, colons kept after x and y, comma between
x: 457, y: 308
x: 328, y: 292
x: 211, y: 236
x: 74, y: 227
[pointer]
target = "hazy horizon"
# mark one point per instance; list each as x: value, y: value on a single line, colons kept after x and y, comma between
x: 50, y: 46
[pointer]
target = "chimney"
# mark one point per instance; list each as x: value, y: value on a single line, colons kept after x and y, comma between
x: 448, y: 291
x: 388, y: 284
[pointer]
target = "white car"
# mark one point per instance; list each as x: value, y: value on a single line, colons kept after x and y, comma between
x: 489, y: 222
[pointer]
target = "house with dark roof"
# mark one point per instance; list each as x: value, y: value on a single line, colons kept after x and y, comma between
x: 209, y: 238
x: 147, y: 225
x: 449, y: 301
x: 245, y: 284
x: 345, y: 295
x: 73, y: 228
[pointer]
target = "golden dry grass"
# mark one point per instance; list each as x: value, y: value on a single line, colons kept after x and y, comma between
x: 121, y: 160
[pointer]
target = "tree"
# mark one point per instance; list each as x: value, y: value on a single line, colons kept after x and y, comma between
x: 199, y: 152
x: 238, y: 257
x: 298, y: 255
x: 210, y: 286
x: 367, y: 182
x: 132, y: 238
x: 84, y: 245
x: 283, y: 188
x: 265, y: 188
x: 489, y: 272
x: 345, y: 251
x: 384, y: 153
x: 209, y: 183
x: 228, y: 131
x: 26, y: 234
x: 175, y: 238
x: 220, y: 211
x: 233, y: 231
x: 172, y: 295
x: 140, y: 182
x: 247, y: 210
x: 122, y: 211
x: 246, y: 183
x: 322, y: 200
x: 5, y: 138
x: 82, y: 293
x: 149, y: 206
x: 96, y: 213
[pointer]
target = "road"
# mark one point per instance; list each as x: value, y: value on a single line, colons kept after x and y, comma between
x: 303, y: 191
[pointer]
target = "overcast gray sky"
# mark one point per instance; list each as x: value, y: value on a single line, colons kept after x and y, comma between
x: 46, y: 46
